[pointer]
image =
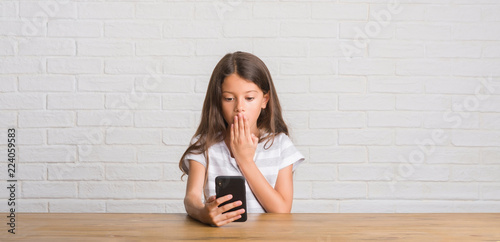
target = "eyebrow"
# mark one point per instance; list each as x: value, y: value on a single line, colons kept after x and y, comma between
x: 245, y: 92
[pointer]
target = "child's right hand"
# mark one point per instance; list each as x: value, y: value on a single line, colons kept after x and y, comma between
x: 213, y: 213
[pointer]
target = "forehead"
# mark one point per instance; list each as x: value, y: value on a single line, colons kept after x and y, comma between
x: 235, y: 84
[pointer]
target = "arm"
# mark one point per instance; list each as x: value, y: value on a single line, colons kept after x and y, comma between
x: 243, y: 145
x: 210, y: 212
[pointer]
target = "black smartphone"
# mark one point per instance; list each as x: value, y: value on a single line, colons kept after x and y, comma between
x: 234, y: 185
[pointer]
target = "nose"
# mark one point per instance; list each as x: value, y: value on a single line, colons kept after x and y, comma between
x: 240, y: 107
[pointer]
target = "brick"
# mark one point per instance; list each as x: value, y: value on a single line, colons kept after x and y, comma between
x: 47, y: 10
x: 8, y: 119
x: 33, y: 206
x: 107, y: 118
x: 223, y: 10
x: 316, y: 172
x: 9, y: 9
x: 314, y: 206
x: 136, y: 100
x: 21, y: 65
x: 133, y: 172
x: 171, y: 172
x: 77, y: 206
x: 274, y: 47
x: 303, y: 102
x: 397, y: 84
x: 339, y: 11
x: 296, y: 120
x: 131, y: 66
x: 39, y: 119
x: 7, y: 47
x: 366, y: 102
x: 364, y: 172
x: 490, y: 13
x: 175, y: 206
x: 451, y: 120
x: 75, y: 136
x: 47, y: 47
x: 48, y: 189
x: 32, y: 137
x: 338, y: 190
x: 105, y: 48
x: 490, y: 156
x: 430, y: 190
x: 477, y: 138
x: 165, y: 48
x: 195, y: 29
x: 403, y: 49
x: 365, y: 137
x: 106, y: 153
x: 332, y: 48
x: 451, y: 85
x: 453, y: 13
x: 184, y: 101
x: 70, y: 172
x: 491, y: 50
x: 309, y: 29
x: 11, y: 101
x: 291, y: 10
x: 335, y: 120
x: 133, y: 30
x: 211, y: 47
x: 74, y: 66
x: 290, y: 84
x: 156, y: 190
x: 106, y: 83
x: 133, y: 136
x: 427, y: 173
x: 363, y: 32
x: 131, y: 206
x: 302, y: 190
x: 394, y: 119
x: 165, y: 10
x: 425, y: 67
x: 315, y: 137
x: 453, y: 50
x: 32, y: 172
x: 8, y: 84
x: 423, y: 102
x: 467, y: 173
x: 475, y: 31
x: 23, y: 28
x: 366, y: 67
x: 101, y: 189
x: 411, y: 136
x: 175, y: 119
x: 50, y: 83
x: 165, y: 84
x: 256, y: 28
x: 338, y: 154
x: 310, y: 66
x: 476, y: 68
x: 410, y: 31
x: 490, y: 191
x: 408, y: 12
x: 482, y: 103
x: 344, y: 84
x: 75, y: 101
x: 104, y: 10
x: 73, y: 28
x: 177, y: 136
x: 368, y: 206
x: 189, y: 65
x: 160, y: 153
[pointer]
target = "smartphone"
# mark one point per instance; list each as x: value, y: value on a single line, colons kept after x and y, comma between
x: 234, y: 185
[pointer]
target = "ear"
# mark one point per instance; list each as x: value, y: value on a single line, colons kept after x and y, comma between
x: 265, y: 99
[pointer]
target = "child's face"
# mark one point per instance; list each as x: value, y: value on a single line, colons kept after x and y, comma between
x: 242, y: 96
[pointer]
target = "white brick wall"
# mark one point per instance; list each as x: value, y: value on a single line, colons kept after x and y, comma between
x: 395, y: 104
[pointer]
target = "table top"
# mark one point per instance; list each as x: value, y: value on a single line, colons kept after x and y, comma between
x: 258, y: 227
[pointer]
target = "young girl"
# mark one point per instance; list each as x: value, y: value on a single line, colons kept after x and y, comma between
x: 241, y: 133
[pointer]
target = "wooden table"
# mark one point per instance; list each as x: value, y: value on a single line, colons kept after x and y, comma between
x: 259, y: 227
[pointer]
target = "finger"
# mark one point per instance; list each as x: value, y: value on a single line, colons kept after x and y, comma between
x: 210, y: 199
x: 236, y: 134
x: 229, y: 220
x: 241, y: 126
x: 247, y: 129
x: 230, y: 206
x: 223, y: 199
x: 232, y: 132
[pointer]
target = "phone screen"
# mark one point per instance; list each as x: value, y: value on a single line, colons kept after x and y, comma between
x: 234, y: 185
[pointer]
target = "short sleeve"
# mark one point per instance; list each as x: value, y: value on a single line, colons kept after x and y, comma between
x: 289, y: 154
x: 192, y: 156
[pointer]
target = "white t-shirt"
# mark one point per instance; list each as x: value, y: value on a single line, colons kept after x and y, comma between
x: 269, y: 161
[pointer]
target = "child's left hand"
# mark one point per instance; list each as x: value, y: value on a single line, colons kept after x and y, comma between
x: 243, y: 141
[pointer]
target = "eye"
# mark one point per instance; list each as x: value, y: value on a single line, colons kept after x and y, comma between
x: 228, y: 99
x: 250, y: 98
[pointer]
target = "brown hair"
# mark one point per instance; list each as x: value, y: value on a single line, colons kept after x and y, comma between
x: 213, y: 126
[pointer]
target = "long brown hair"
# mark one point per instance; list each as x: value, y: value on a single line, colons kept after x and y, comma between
x: 213, y: 126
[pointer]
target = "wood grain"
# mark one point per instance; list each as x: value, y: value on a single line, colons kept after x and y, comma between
x: 259, y: 227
